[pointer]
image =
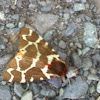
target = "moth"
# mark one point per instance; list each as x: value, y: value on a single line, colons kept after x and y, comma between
x: 36, y: 60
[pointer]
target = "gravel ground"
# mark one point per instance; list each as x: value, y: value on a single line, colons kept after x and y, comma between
x: 72, y: 28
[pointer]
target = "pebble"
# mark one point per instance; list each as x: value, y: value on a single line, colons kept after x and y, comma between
x: 86, y: 73
x: 93, y: 77
x: 46, y: 9
x: 2, y: 16
x: 76, y: 61
x: 98, y: 98
x: 19, y: 4
x: 44, y: 21
x: 83, y: 1
x: 5, y: 92
x: 32, y: 6
x: 2, y: 47
x: 93, y: 70
x: 86, y: 63
x: 18, y: 89
x: 66, y: 16
x: 27, y: 96
x: 79, y: 52
x: 1, y: 27
x: 55, y: 82
x: 48, y: 93
x: 4, y: 82
x: 5, y: 59
x: 98, y: 87
x: 85, y: 50
x: 10, y: 25
x: 62, y: 44
x: 78, y: 7
x: 43, y: 98
x: 79, y: 85
x: 15, y: 17
x: 62, y: 55
x: 90, y: 35
x: 61, y: 91
x: 13, y: 31
x: 21, y: 24
x: 35, y: 88
x: 78, y: 45
x: 48, y: 35
x: 92, y: 89
x: 70, y: 29
x: 97, y: 4
x: 96, y: 58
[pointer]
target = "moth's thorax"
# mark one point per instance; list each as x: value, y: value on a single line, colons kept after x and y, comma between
x: 58, y: 67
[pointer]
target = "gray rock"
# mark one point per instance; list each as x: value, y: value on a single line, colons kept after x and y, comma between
x: 93, y: 70
x: 27, y: 96
x: 83, y: 1
x: 18, y: 89
x: 70, y: 29
x: 62, y: 44
x: 78, y: 45
x: 98, y: 87
x: 15, y: 17
x: 96, y: 58
x: 5, y: 59
x: 86, y: 63
x: 10, y: 25
x: 55, y: 82
x: 97, y: 21
x: 90, y: 34
x: 1, y: 27
x: 35, y: 88
x: 42, y: 3
x: 78, y: 7
x: 44, y: 21
x: 85, y: 50
x: 86, y: 73
x: 13, y: 31
x: 79, y: 52
x: 80, y: 86
x: 32, y: 6
x: 66, y: 16
x: 19, y: 4
x: 62, y: 55
x: 21, y: 24
x: 5, y: 92
x: 76, y: 61
x: 92, y: 89
x: 97, y: 4
x: 48, y: 93
x: 46, y: 9
x: 40, y: 98
x: 2, y: 46
x: 2, y: 16
x: 93, y: 77
x: 48, y: 35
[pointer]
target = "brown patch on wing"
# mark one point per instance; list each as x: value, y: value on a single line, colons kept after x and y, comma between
x: 36, y: 73
x: 31, y: 51
x: 22, y: 42
x: 24, y: 31
x: 11, y: 64
x: 25, y: 63
x: 33, y: 37
x: 17, y: 76
x: 45, y: 49
x: 42, y: 61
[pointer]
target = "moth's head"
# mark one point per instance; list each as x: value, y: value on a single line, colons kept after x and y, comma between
x: 58, y: 67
